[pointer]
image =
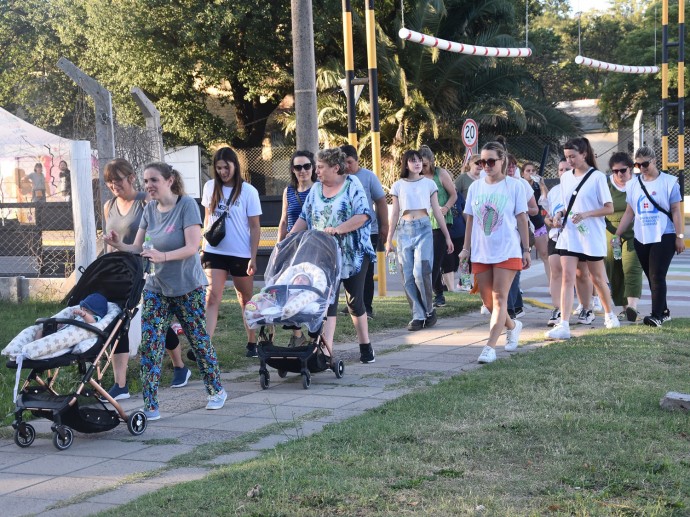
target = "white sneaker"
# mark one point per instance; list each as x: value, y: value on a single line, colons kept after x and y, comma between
x: 596, y: 304
x: 513, y: 336
x: 484, y: 311
x: 586, y: 317
x: 217, y: 401
x: 555, y: 317
x: 578, y: 310
x: 488, y: 355
x: 611, y: 321
x: 560, y: 331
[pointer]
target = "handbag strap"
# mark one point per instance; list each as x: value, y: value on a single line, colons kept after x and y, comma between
x: 574, y: 195
x: 651, y: 199
x: 299, y: 199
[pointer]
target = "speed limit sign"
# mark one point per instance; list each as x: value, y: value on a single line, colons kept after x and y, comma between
x: 470, y: 133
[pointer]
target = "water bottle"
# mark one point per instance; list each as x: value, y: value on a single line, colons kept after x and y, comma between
x: 392, y: 263
x: 465, y: 278
x: 617, y: 248
x: 148, y: 245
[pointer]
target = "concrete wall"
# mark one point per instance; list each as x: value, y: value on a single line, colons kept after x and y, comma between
x: 20, y: 289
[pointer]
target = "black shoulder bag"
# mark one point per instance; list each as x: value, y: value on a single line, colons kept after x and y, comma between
x: 216, y: 233
x: 651, y: 199
x: 574, y: 195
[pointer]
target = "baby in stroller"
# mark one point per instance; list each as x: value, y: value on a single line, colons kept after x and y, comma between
x: 300, y: 277
x: 36, y: 342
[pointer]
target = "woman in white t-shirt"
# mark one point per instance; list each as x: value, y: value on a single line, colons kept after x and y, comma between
x: 414, y: 196
x: 227, y: 195
x: 497, y: 242
x: 583, y: 239
x: 658, y: 233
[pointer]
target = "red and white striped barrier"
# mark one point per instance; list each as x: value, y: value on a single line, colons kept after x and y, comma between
x: 610, y: 67
x: 452, y: 46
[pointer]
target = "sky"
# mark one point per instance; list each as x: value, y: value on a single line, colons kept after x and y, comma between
x: 586, y: 5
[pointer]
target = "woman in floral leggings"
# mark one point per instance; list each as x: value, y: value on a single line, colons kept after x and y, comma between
x: 172, y: 224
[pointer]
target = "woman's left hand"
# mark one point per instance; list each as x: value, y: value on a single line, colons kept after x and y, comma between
x: 680, y: 245
x: 526, y: 259
x: 444, y: 211
x: 330, y: 230
x: 251, y: 267
x: 449, y: 246
x: 154, y: 256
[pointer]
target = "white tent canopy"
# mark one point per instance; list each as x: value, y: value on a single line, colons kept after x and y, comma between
x: 22, y: 146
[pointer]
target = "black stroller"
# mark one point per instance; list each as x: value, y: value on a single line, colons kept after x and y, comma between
x: 120, y: 278
x: 301, y: 280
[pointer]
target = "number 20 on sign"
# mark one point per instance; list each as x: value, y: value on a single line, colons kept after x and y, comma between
x: 470, y: 133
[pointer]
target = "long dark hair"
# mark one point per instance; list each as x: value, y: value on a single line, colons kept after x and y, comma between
x: 582, y: 146
x: 168, y: 172
x: 303, y: 154
x: 227, y: 155
x: 412, y: 153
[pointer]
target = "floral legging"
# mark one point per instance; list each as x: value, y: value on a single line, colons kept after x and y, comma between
x: 157, y: 313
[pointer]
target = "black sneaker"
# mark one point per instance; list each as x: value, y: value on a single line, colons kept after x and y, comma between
x: 431, y: 319
x: 440, y: 301
x: 511, y: 314
x: 370, y: 315
x: 652, y: 321
x: 251, y: 350
x: 366, y: 354
x: 555, y: 318
x: 415, y: 325
x: 519, y: 312
x: 344, y: 310
x: 631, y: 314
x: 665, y: 316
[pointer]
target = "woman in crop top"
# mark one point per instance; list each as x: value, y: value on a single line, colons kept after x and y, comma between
x: 414, y: 196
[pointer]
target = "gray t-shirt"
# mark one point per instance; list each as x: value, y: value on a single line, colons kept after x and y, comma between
x: 38, y: 181
x: 126, y: 225
x: 175, y: 277
x: 373, y: 190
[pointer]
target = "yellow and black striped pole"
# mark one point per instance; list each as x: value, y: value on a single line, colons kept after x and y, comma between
x: 375, y: 126
x: 349, y: 74
x: 666, y: 104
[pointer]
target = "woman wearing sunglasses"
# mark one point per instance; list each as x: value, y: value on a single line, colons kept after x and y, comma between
x: 302, y: 177
x: 654, y: 203
x: 625, y: 274
x: 228, y: 195
x: 583, y: 238
x: 497, y: 242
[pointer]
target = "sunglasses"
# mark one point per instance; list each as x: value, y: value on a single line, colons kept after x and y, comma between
x: 298, y: 168
x: 643, y: 164
x: 490, y: 162
x: 620, y: 171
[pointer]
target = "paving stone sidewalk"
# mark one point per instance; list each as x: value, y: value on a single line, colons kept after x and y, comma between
x: 104, y: 470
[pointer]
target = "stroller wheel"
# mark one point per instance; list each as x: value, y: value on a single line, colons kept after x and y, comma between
x: 136, y: 423
x: 338, y: 368
x: 24, y: 435
x: 63, y: 438
x: 282, y: 374
x: 265, y: 380
x: 306, y: 380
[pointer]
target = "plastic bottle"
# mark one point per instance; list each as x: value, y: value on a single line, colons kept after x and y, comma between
x: 392, y: 263
x: 617, y: 248
x: 148, y: 245
x: 465, y: 277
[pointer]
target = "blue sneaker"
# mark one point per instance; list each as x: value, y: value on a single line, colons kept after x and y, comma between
x: 152, y: 414
x: 217, y: 401
x: 180, y: 377
x: 117, y: 393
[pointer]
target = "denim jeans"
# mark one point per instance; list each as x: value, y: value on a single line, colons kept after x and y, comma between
x: 416, y: 255
x: 514, y: 295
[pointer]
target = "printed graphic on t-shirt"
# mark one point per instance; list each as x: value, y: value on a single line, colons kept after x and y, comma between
x: 220, y: 209
x: 489, y: 210
x: 647, y: 213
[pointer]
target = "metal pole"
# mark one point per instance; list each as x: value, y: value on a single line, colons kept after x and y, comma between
x: 349, y: 74
x: 375, y: 127
x: 304, y: 65
x: 153, y: 121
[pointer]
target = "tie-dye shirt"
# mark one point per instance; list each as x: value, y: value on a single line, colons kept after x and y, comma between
x: 320, y: 212
x: 494, y: 208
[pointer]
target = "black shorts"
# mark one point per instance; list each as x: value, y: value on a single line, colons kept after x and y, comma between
x: 236, y: 266
x: 581, y: 256
x: 171, y: 342
x: 354, y: 293
x: 552, y: 248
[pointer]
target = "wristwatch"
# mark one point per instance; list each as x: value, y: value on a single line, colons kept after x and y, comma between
x: 680, y: 236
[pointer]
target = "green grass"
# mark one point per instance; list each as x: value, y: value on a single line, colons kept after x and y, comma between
x: 230, y: 338
x: 574, y: 428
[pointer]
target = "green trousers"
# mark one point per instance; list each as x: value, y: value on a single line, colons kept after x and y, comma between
x: 624, y: 275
